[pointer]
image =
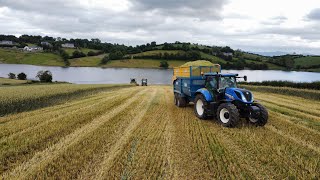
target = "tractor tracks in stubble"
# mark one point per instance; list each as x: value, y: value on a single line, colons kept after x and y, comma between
x: 57, y: 116
x: 42, y: 158
x: 108, y: 158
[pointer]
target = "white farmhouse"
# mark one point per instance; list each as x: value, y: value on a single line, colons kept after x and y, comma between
x: 68, y: 45
x: 46, y: 43
x: 32, y: 49
x: 6, y: 42
x: 228, y: 54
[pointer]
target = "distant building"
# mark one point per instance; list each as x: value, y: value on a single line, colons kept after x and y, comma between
x: 227, y: 53
x: 68, y: 45
x: 6, y: 42
x: 46, y: 43
x: 32, y: 49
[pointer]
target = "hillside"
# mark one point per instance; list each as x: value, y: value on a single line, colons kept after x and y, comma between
x: 142, y: 63
x: 19, y: 57
x: 150, y: 56
x: 108, y: 132
x: 84, y: 50
x: 311, y: 63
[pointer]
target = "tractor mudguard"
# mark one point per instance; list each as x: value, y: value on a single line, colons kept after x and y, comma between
x: 206, y: 94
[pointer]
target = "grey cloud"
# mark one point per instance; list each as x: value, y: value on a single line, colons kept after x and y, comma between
x: 49, y: 7
x: 202, y: 9
x: 275, y: 20
x: 310, y: 32
x: 144, y: 21
x: 62, y: 16
x: 314, y: 14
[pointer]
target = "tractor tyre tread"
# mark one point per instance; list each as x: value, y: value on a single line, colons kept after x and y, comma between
x: 234, y: 115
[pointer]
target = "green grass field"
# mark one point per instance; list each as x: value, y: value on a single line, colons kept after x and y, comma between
x: 6, y: 81
x: 253, y: 56
x: 19, y: 57
x: 142, y: 63
x: 50, y: 59
x: 138, y: 133
x: 270, y: 65
x: 84, y: 50
x: 214, y: 59
x: 89, y: 61
x: 155, y: 52
x: 307, y: 61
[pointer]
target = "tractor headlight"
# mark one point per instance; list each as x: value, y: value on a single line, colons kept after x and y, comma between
x: 243, y: 98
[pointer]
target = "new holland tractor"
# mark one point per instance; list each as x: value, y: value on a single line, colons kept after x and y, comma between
x: 216, y: 94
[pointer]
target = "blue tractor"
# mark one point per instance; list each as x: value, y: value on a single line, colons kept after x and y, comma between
x: 216, y: 94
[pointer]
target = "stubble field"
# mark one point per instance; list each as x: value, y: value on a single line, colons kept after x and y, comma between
x: 138, y: 133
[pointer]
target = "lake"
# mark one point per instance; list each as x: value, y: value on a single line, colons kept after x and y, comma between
x: 95, y: 75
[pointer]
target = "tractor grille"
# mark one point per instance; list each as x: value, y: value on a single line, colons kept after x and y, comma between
x: 247, y: 95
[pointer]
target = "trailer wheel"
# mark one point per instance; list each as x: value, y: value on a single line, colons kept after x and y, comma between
x: 175, y: 99
x: 228, y: 115
x: 181, y: 102
x: 263, y: 119
x: 199, y: 109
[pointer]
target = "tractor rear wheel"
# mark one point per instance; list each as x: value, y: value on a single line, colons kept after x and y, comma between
x: 263, y: 118
x: 228, y: 115
x: 199, y: 109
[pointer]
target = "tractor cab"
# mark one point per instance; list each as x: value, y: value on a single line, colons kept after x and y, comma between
x: 219, y: 84
x: 144, y: 82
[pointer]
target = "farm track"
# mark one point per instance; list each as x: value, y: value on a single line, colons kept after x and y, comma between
x: 138, y: 133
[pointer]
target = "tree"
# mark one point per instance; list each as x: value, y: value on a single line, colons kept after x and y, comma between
x: 193, y: 55
x: 185, y: 47
x: 65, y: 56
x: 153, y: 44
x: 289, y: 63
x: 44, y: 76
x: 104, y: 60
x: 22, y: 76
x: 164, y: 64
x: 116, y: 55
x: 91, y: 53
x: 78, y: 54
x: 227, y: 49
x: 12, y: 76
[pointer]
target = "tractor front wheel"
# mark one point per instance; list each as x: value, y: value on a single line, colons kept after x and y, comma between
x: 263, y: 118
x: 228, y: 115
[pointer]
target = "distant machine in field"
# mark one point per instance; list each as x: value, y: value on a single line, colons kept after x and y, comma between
x: 133, y: 81
x: 216, y: 94
x: 144, y: 82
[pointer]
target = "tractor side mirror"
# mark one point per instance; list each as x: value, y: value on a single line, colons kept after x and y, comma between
x: 245, y: 78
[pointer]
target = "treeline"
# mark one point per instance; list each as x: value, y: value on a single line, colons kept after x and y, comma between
x: 301, y: 85
x: 308, y: 67
x: 242, y: 66
x: 286, y: 61
x: 43, y: 76
x: 182, y: 55
x: 55, y: 45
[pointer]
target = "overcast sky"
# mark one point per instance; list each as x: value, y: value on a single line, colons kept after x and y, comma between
x: 250, y: 25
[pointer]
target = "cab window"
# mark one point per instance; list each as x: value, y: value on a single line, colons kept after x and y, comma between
x: 227, y: 82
